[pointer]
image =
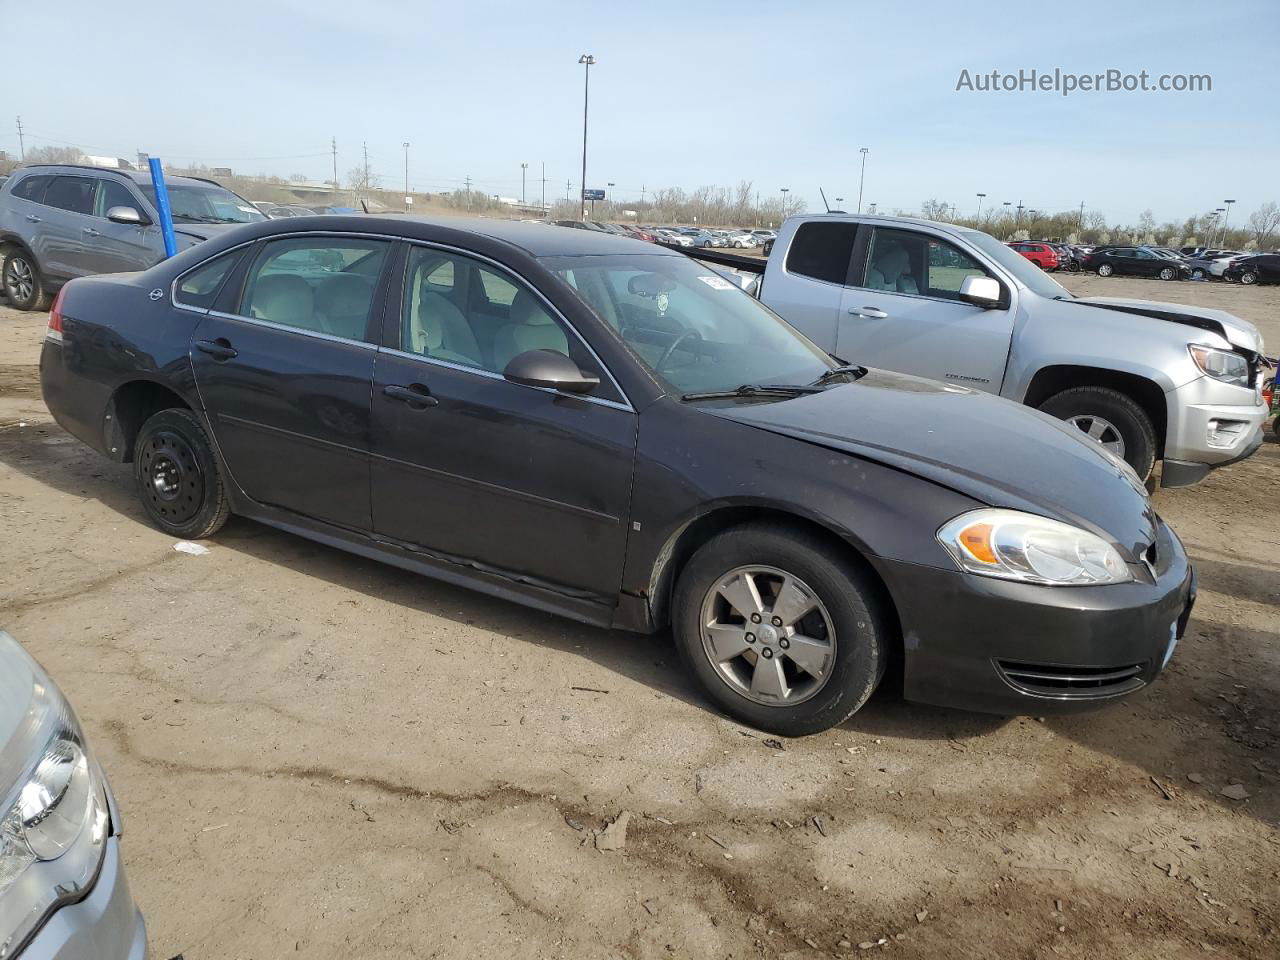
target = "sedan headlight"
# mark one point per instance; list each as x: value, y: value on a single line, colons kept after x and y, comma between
x: 1012, y: 545
x: 1221, y: 364
x: 54, y: 818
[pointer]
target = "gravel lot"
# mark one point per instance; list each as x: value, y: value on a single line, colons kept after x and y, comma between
x: 320, y: 754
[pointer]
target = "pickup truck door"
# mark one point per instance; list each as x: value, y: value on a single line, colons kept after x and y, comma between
x: 901, y: 311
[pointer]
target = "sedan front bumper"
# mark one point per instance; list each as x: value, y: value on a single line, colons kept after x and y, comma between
x: 999, y: 646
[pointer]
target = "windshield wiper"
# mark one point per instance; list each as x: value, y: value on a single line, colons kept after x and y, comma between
x: 757, y: 390
x: 192, y: 218
x: 851, y: 370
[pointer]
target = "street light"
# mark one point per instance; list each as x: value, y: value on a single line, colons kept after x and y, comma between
x: 406, y: 176
x: 1217, y: 219
x: 586, y: 60
x: 980, y: 196
x: 523, y: 168
x: 871, y: 208
x: 609, y: 197
x: 1226, y: 219
x: 784, y: 191
x: 863, y: 175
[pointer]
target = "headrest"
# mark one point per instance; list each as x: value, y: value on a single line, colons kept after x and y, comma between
x: 527, y: 310
x: 283, y: 298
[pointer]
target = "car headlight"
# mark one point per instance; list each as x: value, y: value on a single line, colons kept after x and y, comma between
x: 1012, y: 545
x: 54, y: 819
x: 1221, y: 364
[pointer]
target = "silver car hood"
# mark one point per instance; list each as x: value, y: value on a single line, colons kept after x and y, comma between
x: 17, y: 679
x: 1240, y: 333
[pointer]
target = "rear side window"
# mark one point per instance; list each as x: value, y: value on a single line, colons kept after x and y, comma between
x: 200, y: 287
x: 74, y: 194
x: 822, y: 250
x: 32, y: 188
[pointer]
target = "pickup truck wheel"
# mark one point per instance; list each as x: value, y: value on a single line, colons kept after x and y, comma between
x: 781, y: 631
x: 22, y: 282
x: 1110, y: 418
x: 178, y: 477
x: 1106, y: 270
x: 1167, y: 273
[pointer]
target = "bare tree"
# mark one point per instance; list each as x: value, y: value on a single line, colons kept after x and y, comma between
x: 1264, y: 223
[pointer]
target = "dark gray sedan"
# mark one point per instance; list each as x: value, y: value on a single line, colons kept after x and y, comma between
x: 608, y: 430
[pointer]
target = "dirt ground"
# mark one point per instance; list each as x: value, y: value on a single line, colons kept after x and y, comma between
x: 324, y: 756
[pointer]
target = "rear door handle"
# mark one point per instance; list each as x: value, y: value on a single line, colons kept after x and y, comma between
x: 33, y: 218
x: 90, y: 232
x: 416, y: 395
x: 869, y: 313
x: 218, y: 349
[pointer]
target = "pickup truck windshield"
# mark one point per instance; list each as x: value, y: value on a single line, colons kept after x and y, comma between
x: 695, y: 330
x: 1031, y: 276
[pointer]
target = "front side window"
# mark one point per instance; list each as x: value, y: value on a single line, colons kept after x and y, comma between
x: 904, y: 261
x: 822, y: 250
x: 692, y: 328
x: 320, y: 284
x: 74, y: 194
x: 112, y: 194
x: 949, y: 267
x: 1144, y: 255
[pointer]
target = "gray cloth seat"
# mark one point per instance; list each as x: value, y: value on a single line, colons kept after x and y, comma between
x: 284, y: 298
x: 438, y: 329
x: 890, y: 270
x: 342, y: 304
x: 531, y: 328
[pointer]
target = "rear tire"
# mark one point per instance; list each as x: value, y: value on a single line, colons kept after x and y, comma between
x: 1248, y: 278
x: 848, y: 623
x: 1106, y: 270
x: 22, y: 282
x: 1167, y: 273
x: 1089, y: 404
x: 178, y: 476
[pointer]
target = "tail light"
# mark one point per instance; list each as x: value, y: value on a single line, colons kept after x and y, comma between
x: 55, y: 313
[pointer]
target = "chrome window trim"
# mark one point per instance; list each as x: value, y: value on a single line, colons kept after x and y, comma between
x: 285, y: 328
x: 555, y: 312
x: 490, y: 375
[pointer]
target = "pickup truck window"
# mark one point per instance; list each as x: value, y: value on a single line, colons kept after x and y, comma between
x: 822, y: 250
x: 904, y: 261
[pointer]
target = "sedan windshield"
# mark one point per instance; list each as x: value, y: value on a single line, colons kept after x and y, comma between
x: 695, y: 330
x: 205, y: 204
x: 1031, y: 276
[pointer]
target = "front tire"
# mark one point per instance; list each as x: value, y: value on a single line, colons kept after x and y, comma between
x: 22, y: 282
x: 821, y: 641
x: 1197, y: 274
x: 178, y: 476
x: 1106, y: 270
x: 1248, y: 278
x: 1167, y: 273
x: 1112, y: 419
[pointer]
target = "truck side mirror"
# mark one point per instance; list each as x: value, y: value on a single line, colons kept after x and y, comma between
x: 981, y: 292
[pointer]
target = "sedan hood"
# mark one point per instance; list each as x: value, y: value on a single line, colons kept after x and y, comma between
x: 1240, y: 333
x: 998, y: 452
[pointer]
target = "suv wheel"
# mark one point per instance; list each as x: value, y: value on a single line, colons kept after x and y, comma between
x: 1110, y: 418
x: 178, y: 476
x: 1106, y: 270
x: 1167, y: 273
x: 781, y: 631
x: 1249, y: 277
x: 22, y: 282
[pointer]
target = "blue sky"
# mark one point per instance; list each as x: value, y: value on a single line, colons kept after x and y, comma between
x: 684, y: 94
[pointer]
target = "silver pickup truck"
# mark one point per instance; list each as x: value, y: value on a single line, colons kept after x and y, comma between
x: 1149, y: 381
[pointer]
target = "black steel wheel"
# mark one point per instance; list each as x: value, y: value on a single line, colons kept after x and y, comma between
x: 178, y: 476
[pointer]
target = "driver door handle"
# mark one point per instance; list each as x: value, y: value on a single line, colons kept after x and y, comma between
x: 33, y: 218
x: 90, y: 232
x: 868, y: 313
x: 416, y: 395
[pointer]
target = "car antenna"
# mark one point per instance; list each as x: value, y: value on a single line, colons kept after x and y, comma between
x: 364, y: 206
x: 824, y: 200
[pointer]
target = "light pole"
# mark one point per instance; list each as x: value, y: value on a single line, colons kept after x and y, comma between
x: 871, y: 208
x: 980, y: 196
x: 1226, y: 219
x: 523, y: 168
x: 608, y: 199
x: 863, y: 175
x: 406, y: 176
x: 784, y: 191
x: 586, y: 60
x: 1217, y: 219
x: 1020, y: 208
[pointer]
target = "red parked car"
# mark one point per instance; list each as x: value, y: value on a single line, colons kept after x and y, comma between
x: 1041, y: 254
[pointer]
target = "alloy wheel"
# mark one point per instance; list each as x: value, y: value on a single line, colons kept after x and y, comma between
x: 1105, y: 270
x: 1166, y: 273
x: 1248, y: 278
x: 19, y: 279
x: 768, y: 635
x: 1099, y: 430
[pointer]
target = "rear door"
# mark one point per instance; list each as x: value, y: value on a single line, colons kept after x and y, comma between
x: 902, y: 311
x: 67, y: 225
x: 284, y: 366
x: 530, y: 483
x: 119, y: 247
x: 1147, y: 264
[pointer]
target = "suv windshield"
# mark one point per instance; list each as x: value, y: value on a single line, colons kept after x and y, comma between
x: 695, y: 330
x: 1027, y: 273
x: 205, y: 204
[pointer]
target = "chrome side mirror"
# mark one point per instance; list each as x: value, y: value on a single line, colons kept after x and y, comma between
x: 982, y: 292
x: 128, y: 215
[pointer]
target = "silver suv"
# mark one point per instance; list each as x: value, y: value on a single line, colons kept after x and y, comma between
x: 60, y: 221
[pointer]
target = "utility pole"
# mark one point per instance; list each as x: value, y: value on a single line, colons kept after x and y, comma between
x: 22, y: 144
x: 863, y: 175
x: 467, y: 181
x: 544, y: 186
x: 567, y: 186
x: 334, y: 145
x: 406, y: 176
x: 1080, y: 222
x: 523, y: 168
x: 365, y: 144
x: 586, y: 60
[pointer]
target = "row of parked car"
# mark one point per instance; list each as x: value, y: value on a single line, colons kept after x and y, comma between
x: 1145, y: 260
x: 698, y: 237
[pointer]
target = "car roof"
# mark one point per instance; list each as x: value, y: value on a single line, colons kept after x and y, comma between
x: 137, y: 176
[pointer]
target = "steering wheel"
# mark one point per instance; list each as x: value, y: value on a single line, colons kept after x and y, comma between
x: 675, y: 344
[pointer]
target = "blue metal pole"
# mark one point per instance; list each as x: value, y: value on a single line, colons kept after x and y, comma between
x: 162, y: 205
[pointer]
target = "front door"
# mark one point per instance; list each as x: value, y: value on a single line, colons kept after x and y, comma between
x: 284, y: 371
x: 119, y: 247
x: 903, y: 312
x: 523, y: 482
